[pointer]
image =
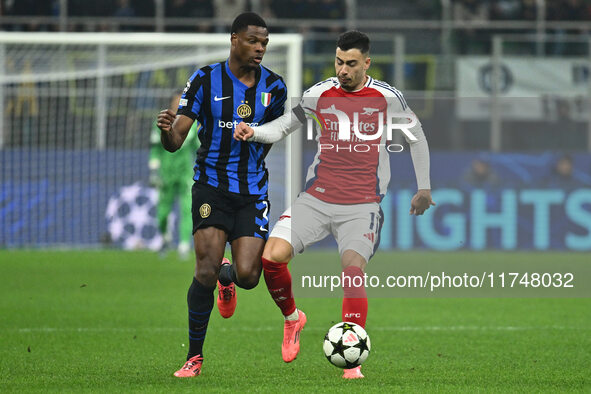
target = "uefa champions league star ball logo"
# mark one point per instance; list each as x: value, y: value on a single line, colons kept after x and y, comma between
x: 131, y: 218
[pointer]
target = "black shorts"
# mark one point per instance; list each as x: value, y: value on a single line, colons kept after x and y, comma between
x: 239, y: 215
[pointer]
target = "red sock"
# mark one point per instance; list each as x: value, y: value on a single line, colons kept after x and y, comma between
x: 278, y: 281
x: 355, y: 297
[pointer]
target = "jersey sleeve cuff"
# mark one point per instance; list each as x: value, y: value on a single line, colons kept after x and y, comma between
x: 187, y: 112
x: 300, y: 114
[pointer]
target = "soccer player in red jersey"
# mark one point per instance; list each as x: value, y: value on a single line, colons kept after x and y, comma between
x: 345, y: 183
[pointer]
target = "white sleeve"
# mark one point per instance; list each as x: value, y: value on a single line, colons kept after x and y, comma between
x: 278, y: 129
x: 419, y: 148
x: 289, y: 122
x: 419, y: 152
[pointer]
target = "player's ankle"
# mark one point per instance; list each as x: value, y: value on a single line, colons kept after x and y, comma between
x: 292, y: 316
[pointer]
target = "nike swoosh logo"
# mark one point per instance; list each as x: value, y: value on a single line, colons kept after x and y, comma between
x: 216, y: 98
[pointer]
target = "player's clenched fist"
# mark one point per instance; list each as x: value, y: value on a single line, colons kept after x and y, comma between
x: 165, y: 119
x: 420, y: 202
x: 243, y: 132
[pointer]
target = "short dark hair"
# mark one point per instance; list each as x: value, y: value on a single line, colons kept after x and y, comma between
x: 246, y: 19
x: 354, y: 39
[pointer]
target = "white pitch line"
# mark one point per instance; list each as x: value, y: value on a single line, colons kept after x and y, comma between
x: 318, y: 329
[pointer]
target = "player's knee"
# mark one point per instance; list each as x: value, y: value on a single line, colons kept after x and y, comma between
x: 207, y: 275
x: 351, y: 258
x: 277, y: 250
x: 248, y: 279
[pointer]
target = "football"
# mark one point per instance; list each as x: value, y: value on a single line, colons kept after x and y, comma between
x: 346, y: 345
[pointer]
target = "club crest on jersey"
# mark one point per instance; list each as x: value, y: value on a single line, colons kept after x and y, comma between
x: 205, y: 210
x: 244, y: 110
x: 265, y: 99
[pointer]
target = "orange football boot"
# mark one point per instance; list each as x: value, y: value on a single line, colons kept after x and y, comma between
x: 291, y: 337
x: 191, y: 368
x: 226, y: 297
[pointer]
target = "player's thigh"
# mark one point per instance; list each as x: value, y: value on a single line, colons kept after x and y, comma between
x: 248, y: 236
x: 212, y: 221
x: 246, y: 257
x: 357, y: 228
x: 303, y: 224
x: 247, y: 251
x: 210, y: 244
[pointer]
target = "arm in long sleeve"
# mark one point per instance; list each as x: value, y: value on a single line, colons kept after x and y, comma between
x: 280, y: 128
x: 419, y: 152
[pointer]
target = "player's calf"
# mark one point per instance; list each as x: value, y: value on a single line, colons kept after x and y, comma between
x: 355, y: 306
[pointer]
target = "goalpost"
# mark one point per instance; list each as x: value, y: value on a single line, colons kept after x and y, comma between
x: 76, y: 111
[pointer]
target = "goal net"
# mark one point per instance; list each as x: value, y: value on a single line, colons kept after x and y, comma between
x: 77, y: 111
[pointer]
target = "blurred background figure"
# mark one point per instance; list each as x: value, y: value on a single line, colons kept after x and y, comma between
x: 562, y: 174
x: 480, y: 175
x: 172, y: 175
x: 124, y: 9
x: 564, y: 167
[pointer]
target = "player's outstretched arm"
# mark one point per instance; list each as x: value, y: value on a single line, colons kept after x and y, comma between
x: 268, y: 133
x: 174, y: 129
x: 420, y: 202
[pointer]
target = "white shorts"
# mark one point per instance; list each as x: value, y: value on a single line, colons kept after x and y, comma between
x: 309, y: 220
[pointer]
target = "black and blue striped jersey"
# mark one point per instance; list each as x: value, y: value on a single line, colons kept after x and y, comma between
x: 219, y: 101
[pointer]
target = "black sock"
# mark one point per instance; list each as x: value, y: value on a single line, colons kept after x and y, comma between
x: 227, y: 274
x: 200, y: 302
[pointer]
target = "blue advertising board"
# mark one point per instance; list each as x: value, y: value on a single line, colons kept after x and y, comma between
x: 520, y: 202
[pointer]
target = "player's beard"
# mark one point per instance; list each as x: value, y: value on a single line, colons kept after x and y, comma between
x: 347, y: 84
x: 352, y: 83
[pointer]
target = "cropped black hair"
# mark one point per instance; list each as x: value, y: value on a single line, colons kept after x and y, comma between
x: 246, y: 19
x: 354, y: 39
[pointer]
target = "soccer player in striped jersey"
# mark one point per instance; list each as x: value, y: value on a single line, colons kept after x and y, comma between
x: 345, y: 183
x: 230, y: 201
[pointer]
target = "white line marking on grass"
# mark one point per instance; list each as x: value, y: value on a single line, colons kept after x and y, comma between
x: 278, y: 328
x: 99, y: 329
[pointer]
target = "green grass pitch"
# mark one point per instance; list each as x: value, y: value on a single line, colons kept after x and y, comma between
x: 116, y: 322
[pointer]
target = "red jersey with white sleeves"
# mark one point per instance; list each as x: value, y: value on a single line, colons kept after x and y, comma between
x: 354, y: 170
